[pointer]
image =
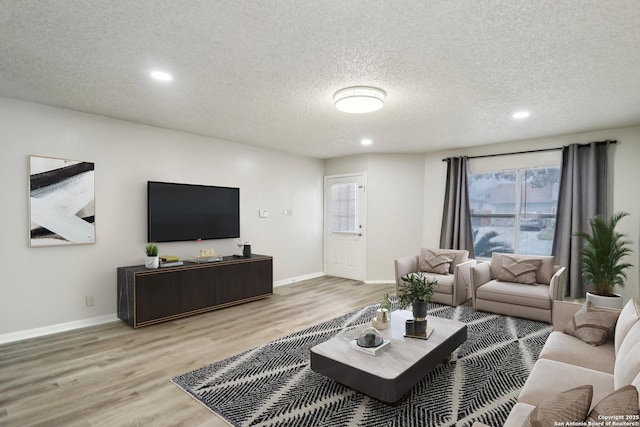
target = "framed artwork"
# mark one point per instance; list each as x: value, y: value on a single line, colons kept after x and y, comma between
x: 61, y: 202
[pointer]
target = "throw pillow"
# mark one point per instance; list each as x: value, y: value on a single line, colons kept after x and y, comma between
x: 435, y: 262
x: 569, y: 405
x: 623, y: 401
x: 592, y: 325
x: 519, y: 271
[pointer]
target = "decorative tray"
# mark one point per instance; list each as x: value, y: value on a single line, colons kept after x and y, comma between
x: 202, y: 259
x: 423, y: 336
x: 373, y: 351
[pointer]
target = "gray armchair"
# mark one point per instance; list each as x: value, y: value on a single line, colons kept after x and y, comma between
x: 518, y: 285
x: 454, y: 283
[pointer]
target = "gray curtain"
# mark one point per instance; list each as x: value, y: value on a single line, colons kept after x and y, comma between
x: 456, y: 217
x: 582, y: 195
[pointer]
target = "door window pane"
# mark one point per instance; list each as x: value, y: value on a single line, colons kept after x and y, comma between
x: 344, y: 208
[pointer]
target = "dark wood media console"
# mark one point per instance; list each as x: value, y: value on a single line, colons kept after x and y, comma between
x: 147, y: 296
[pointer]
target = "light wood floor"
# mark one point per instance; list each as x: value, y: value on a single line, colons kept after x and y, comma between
x: 113, y: 375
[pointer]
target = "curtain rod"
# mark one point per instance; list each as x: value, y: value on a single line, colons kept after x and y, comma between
x: 529, y: 151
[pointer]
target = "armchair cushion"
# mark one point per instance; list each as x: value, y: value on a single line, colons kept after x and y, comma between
x: 592, y: 325
x: 515, y: 293
x: 543, y: 274
x: 435, y: 262
x: 519, y: 270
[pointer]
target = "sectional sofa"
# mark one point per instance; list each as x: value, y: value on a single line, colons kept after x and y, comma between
x: 568, y: 362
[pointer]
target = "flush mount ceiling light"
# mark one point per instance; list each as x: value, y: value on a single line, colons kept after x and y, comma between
x: 366, y: 141
x: 359, y: 99
x: 162, y: 76
x: 520, y: 115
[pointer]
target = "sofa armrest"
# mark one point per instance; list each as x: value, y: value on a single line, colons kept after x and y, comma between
x: 562, y: 313
x: 480, y: 274
x: 462, y: 281
x: 404, y: 266
x: 557, y: 284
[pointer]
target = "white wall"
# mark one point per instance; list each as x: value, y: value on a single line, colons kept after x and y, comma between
x: 47, y: 286
x: 394, y: 207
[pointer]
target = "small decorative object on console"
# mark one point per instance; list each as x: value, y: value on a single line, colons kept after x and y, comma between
x: 246, y: 250
x: 151, y: 260
x: 207, y: 252
x: 240, y: 251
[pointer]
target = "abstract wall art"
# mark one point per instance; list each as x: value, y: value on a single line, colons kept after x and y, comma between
x: 61, y: 202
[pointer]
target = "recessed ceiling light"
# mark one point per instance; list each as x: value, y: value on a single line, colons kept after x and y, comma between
x: 162, y: 76
x: 366, y: 141
x: 359, y: 99
x: 521, y: 115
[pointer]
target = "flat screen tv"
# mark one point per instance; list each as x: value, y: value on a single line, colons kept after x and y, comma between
x: 182, y: 212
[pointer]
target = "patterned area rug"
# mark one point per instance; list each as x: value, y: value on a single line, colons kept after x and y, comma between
x: 274, y: 385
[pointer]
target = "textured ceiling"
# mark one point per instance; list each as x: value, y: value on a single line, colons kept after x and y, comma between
x: 264, y: 72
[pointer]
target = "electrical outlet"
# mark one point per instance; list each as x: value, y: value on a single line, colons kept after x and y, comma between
x: 90, y: 301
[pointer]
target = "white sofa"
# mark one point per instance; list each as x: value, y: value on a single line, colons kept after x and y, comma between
x: 534, y: 302
x: 453, y: 287
x: 567, y: 362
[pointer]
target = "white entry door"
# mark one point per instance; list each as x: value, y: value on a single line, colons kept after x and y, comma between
x: 344, y: 227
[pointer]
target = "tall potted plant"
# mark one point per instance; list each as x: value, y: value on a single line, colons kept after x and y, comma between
x: 417, y: 290
x: 602, y: 259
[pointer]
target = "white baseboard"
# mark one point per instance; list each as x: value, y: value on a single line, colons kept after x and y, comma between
x: 54, y: 329
x: 297, y: 279
x: 379, y: 282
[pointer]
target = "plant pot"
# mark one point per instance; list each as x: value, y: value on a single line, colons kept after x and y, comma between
x: 152, y: 262
x: 420, y: 316
x: 419, y: 309
x: 614, y: 301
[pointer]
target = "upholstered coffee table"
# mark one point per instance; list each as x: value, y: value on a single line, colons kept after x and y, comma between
x: 389, y: 375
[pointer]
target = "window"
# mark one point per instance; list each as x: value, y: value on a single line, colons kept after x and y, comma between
x: 344, y: 210
x: 514, y: 211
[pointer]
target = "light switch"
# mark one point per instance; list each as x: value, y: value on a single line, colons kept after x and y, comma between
x: 264, y: 213
x: 288, y: 212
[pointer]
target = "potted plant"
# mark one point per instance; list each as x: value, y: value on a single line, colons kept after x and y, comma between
x: 602, y: 258
x: 417, y: 290
x: 151, y: 260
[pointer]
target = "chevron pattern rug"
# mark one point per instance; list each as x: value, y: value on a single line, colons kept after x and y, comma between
x: 273, y: 385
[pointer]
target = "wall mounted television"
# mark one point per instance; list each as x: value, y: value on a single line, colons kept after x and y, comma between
x: 183, y: 212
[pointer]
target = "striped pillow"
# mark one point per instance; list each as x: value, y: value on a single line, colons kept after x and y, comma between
x: 519, y: 271
x: 570, y: 405
x: 623, y: 401
x: 435, y: 262
x: 592, y: 325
